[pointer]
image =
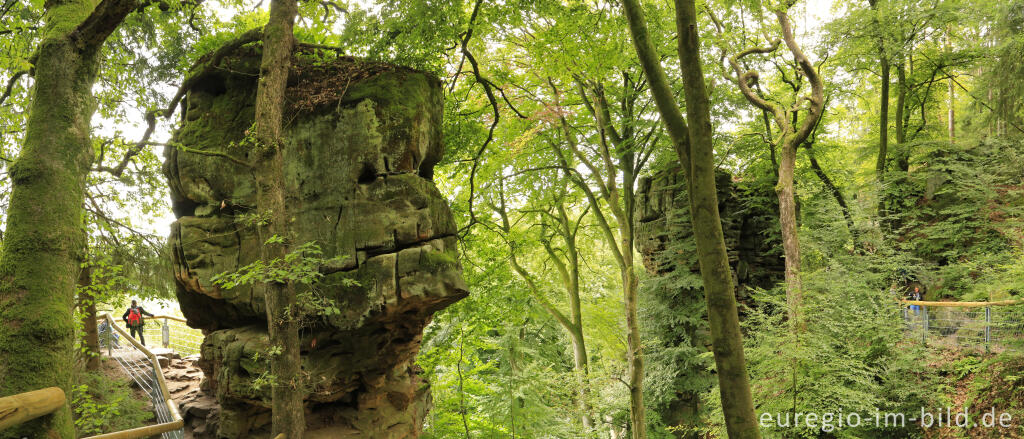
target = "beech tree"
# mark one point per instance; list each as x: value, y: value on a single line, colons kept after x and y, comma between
x: 44, y: 240
x: 792, y: 132
x: 692, y: 139
x: 557, y: 223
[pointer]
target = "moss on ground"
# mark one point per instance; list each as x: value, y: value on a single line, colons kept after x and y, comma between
x: 107, y: 401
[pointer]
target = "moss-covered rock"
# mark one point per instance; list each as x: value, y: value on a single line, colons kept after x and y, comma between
x: 673, y: 306
x: 662, y: 215
x: 361, y: 142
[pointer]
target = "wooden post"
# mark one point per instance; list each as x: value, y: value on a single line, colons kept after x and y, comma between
x: 16, y: 409
x: 110, y: 337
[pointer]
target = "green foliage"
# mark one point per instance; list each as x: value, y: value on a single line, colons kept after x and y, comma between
x: 851, y: 358
x: 301, y: 265
x: 103, y: 404
x: 499, y: 363
x: 959, y: 214
x: 674, y: 327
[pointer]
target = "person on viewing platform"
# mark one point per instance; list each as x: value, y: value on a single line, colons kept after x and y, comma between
x: 102, y: 333
x: 916, y: 295
x: 133, y: 317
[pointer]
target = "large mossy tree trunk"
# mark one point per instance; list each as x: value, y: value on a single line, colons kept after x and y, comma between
x: 696, y: 157
x: 287, y: 391
x: 45, y: 241
x: 723, y: 318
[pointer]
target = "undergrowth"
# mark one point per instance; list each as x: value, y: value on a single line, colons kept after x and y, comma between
x: 104, y: 402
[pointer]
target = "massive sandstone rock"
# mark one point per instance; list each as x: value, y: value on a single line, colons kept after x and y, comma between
x: 362, y: 139
x: 672, y: 302
x: 750, y: 228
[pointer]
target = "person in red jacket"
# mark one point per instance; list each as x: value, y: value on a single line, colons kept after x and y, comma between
x: 133, y: 317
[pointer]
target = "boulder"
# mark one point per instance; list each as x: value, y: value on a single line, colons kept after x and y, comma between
x: 360, y: 140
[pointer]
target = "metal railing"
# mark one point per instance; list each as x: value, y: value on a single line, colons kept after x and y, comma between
x: 991, y: 326
x: 138, y: 362
x: 175, y: 334
x: 142, y: 366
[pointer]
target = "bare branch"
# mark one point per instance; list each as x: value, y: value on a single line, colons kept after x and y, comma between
x: 746, y: 79
x: 10, y: 85
x: 817, y: 96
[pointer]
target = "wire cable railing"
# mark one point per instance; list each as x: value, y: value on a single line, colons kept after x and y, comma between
x: 989, y: 326
x: 175, y: 334
x: 139, y: 363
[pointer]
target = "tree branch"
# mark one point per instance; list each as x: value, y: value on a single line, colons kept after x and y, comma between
x: 817, y: 96
x: 107, y: 16
x: 10, y: 85
x: 743, y: 79
x: 209, y: 64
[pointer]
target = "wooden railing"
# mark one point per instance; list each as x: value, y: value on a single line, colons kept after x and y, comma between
x: 24, y: 407
x: 174, y: 333
x: 961, y: 304
x: 176, y: 422
x: 17, y: 409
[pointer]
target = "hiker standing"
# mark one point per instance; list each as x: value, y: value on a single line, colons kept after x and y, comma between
x: 133, y: 318
x: 916, y: 295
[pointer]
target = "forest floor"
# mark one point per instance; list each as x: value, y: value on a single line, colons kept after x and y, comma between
x: 979, y: 383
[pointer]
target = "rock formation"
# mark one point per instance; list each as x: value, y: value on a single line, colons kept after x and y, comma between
x: 662, y: 214
x: 362, y: 139
x: 673, y: 305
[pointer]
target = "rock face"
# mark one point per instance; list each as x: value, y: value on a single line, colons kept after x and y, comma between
x: 673, y: 306
x: 362, y: 139
x: 662, y: 214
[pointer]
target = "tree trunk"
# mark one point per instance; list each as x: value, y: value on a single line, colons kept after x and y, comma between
x: 87, y: 308
x: 787, y: 220
x: 42, y: 252
x: 951, y: 118
x: 287, y: 392
x: 630, y: 288
x: 903, y: 162
x: 569, y: 273
x: 883, y: 118
x: 883, y: 123
x: 579, y: 346
x: 582, y: 365
x: 723, y: 318
x: 634, y: 348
